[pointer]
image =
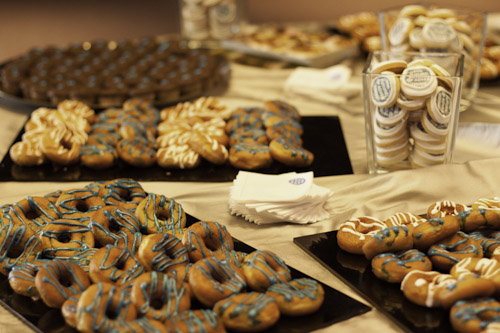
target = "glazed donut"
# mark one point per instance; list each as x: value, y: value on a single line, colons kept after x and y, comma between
x: 178, y: 157
x: 22, y: 279
x: 158, y: 296
x: 110, y: 223
x: 78, y: 203
x: 291, y: 137
x: 471, y: 220
x: 474, y: 315
x: 130, y: 242
x: 56, y: 146
x: 447, y: 252
x: 391, y: 239
x: 83, y: 258
x: 34, y: 212
x: 353, y: 233
x: 26, y: 153
x: 158, y: 214
x: 212, y: 279
x: 263, y: 268
x: 181, y: 275
x: 126, y: 193
x: 239, y: 122
x: 208, y: 148
x: 18, y: 244
x: 284, y: 152
x: 393, y: 267
x: 489, y: 241
x: 298, y: 297
x: 138, y: 152
x: 492, y: 203
x: 112, y: 264
x: 106, y: 139
x: 205, y: 239
x: 98, y: 156
x: 58, y: 279
x: 248, y: 312
x: 65, y: 238
x: 162, y: 253
x: 484, y: 267
x: 53, y: 196
x: 285, y: 109
x: 250, y: 156
x: 443, y: 208
x: 195, y: 321
x: 249, y: 134
x: 404, y: 219
x: 434, y: 230
x: 68, y: 310
x: 433, y: 289
x: 104, y: 307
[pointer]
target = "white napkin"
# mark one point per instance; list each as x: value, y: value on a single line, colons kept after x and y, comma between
x: 289, y: 197
x: 330, y: 85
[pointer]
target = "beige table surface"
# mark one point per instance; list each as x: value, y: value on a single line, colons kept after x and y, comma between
x: 473, y: 174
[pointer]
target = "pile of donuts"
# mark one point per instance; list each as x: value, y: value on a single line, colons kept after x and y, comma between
x: 258, y: 136
x: 449, y: 259
x: 177, y: 137
x: 114, y: 258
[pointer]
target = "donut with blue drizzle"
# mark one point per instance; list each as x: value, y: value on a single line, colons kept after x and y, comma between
x: 391, y: 239
x: 162, y: 252
x: 98, y: 156
x: 158, y: 296
x: 468, y: 315
x: 22, y: 279
x: 250, y: 156
x: 123, y: 192
x: 18, y: 244
x: 451, y: 250
x: 392, y: 267
x: 78, y: 203
x: 288, y: 154
x: 58, y: 279
x: 158, y: 214
x: 116, y: 265
x: 195, y: 321
x: 298, y: 297
x: 110, y: 223
x: 263, y: 268
x: 104, y: 307
x: 35, y: 212
x: 138, y: 152
x: 248, y: 312
x: 65, y: 238
x: 205, y: 239
x: 212, y: 279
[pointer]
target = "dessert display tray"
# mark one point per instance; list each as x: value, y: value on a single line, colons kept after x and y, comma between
x: 336, y: 307
x: 356, y: 272
x: 322, y: 135
x: 319, y: 60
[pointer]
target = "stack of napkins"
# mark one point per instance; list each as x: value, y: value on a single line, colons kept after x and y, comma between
x: 289, y: 197
x: 329, y: 85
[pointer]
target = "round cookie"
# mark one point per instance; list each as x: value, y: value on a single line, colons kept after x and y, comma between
x: 385, y: 89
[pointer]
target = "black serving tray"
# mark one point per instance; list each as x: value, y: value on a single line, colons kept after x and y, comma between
x: 322, y: 135
x: 356, y: 272
x: 335, y: 308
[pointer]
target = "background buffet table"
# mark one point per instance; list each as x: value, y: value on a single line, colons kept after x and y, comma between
x: 473, y: 174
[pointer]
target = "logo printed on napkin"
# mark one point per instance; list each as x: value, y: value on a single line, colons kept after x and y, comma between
x: 288, y: 197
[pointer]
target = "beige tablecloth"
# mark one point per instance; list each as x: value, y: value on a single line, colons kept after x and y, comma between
x: 473, y: 174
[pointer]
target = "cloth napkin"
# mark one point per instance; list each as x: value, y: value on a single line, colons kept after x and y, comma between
x: 329, y: 85
x: 288, y: 197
